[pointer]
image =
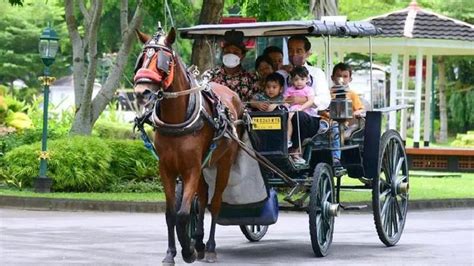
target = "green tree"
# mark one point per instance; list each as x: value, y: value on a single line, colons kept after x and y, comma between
x: 83, y: 23
x: 19, y: 37
x: 270, y: 10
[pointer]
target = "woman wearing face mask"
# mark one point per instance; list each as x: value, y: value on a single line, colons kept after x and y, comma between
x: 231, y: 73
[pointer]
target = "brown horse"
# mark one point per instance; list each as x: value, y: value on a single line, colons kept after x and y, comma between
x: 183, y: 146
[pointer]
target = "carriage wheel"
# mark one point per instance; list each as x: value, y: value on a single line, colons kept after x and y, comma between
x: 194, y: 213
x: 322, y: 209
x: 390, y: 189
x: 254, y: 232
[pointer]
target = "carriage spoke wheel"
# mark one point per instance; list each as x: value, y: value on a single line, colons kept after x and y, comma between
x: 254, y: 232
x: 322, y: 209
x: 390, y: 189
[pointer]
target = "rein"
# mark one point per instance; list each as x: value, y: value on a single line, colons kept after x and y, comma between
x: 170, y: 95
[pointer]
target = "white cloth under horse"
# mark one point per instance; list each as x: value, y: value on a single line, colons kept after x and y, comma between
x: 245, y: 184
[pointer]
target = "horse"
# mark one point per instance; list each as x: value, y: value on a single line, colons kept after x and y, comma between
x: 183, y: 145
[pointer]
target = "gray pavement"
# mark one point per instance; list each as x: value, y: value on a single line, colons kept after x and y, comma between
x: 439, y: 237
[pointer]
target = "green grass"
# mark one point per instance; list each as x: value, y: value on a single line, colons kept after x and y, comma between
x: 422, y: 187
x: 149, y: 197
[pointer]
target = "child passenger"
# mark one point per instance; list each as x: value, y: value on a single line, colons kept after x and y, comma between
x: 271, y: 96
x: 299, y: 77
x: 342, y: 75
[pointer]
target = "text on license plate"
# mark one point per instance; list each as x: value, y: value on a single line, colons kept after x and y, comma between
x: 266, y: 123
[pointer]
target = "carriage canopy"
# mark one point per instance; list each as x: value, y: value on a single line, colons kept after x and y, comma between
x: 284, y: 28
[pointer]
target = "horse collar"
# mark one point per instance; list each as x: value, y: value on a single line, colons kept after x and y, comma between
x: 192, y: 123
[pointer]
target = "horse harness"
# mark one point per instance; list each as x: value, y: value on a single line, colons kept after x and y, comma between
x: 196, y: 113
x: 220, y: 118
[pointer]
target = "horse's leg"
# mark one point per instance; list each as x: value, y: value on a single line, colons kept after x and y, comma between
x: 169, y: 185
x: 222, y: 177
x: 202, y: 196
x: 190, y: 185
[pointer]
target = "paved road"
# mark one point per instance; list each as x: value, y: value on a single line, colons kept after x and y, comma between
x: 58, y: 238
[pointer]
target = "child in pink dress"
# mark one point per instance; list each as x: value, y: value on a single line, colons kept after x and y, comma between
x: 299, y: 77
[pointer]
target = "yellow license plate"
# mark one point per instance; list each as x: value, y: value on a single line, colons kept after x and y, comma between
x: 266, y: 123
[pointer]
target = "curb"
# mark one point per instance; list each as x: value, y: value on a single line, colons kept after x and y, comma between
x: 30, y: 203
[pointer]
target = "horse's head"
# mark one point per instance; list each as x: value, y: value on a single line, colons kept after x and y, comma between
x: 154, y: 70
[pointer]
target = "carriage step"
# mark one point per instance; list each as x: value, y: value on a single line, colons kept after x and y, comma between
x: 339, y: 171
x: 353, y: 207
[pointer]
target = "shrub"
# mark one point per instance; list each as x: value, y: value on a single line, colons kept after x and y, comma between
x: 75, y: 164
x: 137, y: 186
x: 3, y: 109
x: 130, y: 160
x: 14, y: 105
x: 113, y: 130
x: 3, y: 90
x: 82, y: 164
x: 464, y: 140
x: 18, y: 120
x: 27, y: 136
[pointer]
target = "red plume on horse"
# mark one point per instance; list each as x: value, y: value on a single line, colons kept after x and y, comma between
x: 189, y: 129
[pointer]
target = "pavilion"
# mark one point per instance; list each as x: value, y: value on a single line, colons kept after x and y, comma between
x: 412, y: 31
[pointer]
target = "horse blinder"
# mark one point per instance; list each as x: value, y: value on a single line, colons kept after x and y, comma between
x: 163, y: 61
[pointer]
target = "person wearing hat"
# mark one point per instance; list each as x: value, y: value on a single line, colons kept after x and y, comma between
x: 231, y: 73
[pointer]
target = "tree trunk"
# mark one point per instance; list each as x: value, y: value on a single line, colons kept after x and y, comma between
x: 211, y: 13
x: 88, y: 110
x: 443, y: 115
x: 321, y: 8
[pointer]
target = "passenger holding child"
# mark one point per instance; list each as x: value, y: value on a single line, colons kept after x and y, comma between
x: 305, y: 125
x: 299, y: 78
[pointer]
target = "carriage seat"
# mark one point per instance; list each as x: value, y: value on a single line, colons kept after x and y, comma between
x: 354, y: 125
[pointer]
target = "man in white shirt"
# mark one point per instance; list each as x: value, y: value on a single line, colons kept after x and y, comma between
x: 298, y: 51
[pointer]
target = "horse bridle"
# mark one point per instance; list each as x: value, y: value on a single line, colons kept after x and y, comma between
x: 165, y: 62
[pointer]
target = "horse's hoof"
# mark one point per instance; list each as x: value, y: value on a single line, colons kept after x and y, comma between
x: 211, y: 257
x: 167, y: 262
x: 200, y: 255
x: 191, y: 258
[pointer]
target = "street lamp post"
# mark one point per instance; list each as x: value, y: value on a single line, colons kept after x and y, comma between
x: 48, y: 47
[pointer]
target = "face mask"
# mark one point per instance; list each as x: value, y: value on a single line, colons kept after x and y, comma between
x: 230, y: 60
x: 339, y: 81
x: 298, y: 60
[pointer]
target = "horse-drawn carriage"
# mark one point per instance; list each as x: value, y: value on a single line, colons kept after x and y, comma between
x: 368, y: 153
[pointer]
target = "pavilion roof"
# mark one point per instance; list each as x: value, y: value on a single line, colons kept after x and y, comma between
x: 415, y: 22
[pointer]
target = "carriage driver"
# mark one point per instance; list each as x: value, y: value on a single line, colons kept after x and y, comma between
x: 298, y: 51
x: 231, y: 73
